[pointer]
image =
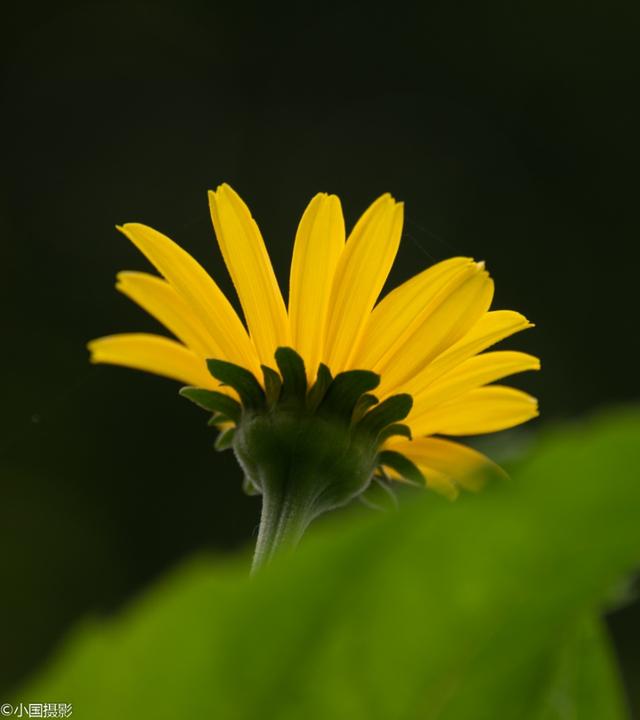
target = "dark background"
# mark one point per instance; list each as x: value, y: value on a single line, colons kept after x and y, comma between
x: 509, y: 130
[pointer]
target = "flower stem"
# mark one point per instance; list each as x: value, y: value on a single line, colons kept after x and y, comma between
x: 283, y: 520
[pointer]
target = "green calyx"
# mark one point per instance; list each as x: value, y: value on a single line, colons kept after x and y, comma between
x: 306, y: 450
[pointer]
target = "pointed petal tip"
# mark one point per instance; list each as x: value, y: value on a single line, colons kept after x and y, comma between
x: 213, y: 201
x: 224, y: 189
x: 123, y: 277
x: 450, y: 492
x: 126, y: 278
x: 329, y: 198
x: 319, y: 198
x: 388, y: 200
x: 216, y: 195
x: 530, y: 362
x: 527, y: 324
x: 130, y: 228
x: 93, y: 346
x: 533, y: 402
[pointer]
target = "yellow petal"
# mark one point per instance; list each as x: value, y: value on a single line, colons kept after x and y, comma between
x: 447, y: 465
x: 435, y: 480
x: 319, y: 243
x: 473, y: 373
x: 191, y: 281
x: 154, y: 354
x: 248, y: 263
x: 393, y: 317
x: 360, y: 275
x: 457, y: 309
x: 490, y: 329
x: 479, y: 411
x: 161, y: 301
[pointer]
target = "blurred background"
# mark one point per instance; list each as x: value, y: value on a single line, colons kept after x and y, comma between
x: 509, y: 130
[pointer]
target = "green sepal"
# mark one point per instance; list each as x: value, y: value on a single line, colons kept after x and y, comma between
x: 379, y: 496
x: 394, y: 429
x: 402, y: 465
x: 319, y: 388
x: 216, y: 419
x: 241, y: 380
x: 389, y: 411
x: 344, y: 391
x: 272, y: 385
x: 294, y: 376
x: 225, y: 439
x: 214, y: 402
x: 365, y: 403
x: 249, y: 488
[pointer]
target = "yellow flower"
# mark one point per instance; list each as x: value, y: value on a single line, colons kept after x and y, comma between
x: 425, y: 338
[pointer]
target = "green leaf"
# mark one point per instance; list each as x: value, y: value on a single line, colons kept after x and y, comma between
x: 365, y: 402
x: 389, y: 411
x: 319, y: 388
x: 395, y: 429
x: 402, y: 465
x: 379, y: 495
x: 345, y: 390
x: 225, y: 439
x: 241, y: 380
x: 481, y: 609
x: 294, y: 376
x: 214, y: 402
x: 582, y: 681
x: 248, y: 487
x: 272, y: 385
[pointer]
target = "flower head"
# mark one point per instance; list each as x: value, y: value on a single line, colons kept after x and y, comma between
x: 420, y: 349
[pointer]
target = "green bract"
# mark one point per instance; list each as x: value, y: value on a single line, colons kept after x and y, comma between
x: 306, y: 450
